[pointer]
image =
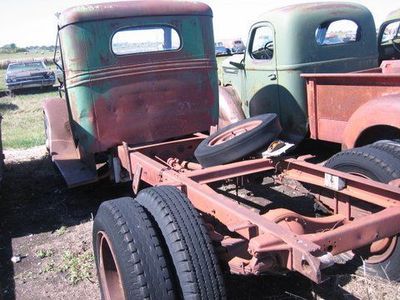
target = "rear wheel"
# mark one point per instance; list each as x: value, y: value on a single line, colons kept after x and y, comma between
x: 187, y: 240
x: 131, y: 258
x: 389, y: 146
x: 381, y: 258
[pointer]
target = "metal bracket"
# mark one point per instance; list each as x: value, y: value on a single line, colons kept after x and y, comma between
x: 334, y: 182
x: 126, y: 150
x: 136, y: 178
x: 213, y: 129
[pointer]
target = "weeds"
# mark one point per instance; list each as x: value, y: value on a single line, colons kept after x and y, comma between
x: 43, y: 253
x: 50, y: 267
x: 77, y: 266
x: 60, y: 231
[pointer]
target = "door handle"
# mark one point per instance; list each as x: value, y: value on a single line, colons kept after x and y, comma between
x: 272, y: 76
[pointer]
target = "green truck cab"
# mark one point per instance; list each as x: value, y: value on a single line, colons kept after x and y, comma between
x: 286, y: 42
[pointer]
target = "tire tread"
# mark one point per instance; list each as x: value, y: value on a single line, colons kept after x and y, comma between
x: 189, y: 245
x: 141, y: 256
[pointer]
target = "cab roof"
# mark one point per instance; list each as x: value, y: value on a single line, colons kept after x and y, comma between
x: 393, y: 16
x: 295, y: 29
x: 327, y: 10
x: 125, y: 9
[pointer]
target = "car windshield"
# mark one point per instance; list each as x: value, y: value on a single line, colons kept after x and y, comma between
x: 37, y: 65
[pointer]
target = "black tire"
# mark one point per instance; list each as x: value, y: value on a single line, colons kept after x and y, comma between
x: 379, y: 165
x: 241, y: 145
x: 389, y: 146
x: 186, y: 237
x: 368, y: 161
x: 140, y: 253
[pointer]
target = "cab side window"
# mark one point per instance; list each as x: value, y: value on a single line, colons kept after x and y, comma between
x: 337, y: 32
x: 391, y: 33
x: 262, y: 43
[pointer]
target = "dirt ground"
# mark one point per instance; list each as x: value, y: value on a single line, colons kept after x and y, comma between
x: 48, y: 227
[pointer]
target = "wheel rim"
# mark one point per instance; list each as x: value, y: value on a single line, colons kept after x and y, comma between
x: 380, y: 250
x: 109, y: 273
x: 234, y: 132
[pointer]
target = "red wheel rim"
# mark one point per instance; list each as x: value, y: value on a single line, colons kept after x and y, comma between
x: 234, y: 132
x: 380, y: 250
x: 109, y: 273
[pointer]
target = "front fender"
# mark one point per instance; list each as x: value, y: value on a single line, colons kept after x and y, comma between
x: 58, y: 129
x: 381, y: 111
x: 230, y: 110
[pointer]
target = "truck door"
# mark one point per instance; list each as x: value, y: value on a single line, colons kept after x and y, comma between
x: 261, y: 77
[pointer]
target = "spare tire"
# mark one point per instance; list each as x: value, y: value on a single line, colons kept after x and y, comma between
x: 238, y: 140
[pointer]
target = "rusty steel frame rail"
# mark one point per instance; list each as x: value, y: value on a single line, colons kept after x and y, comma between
x: 306, y: 253
x: 373, y: 192
x: 232, y: 170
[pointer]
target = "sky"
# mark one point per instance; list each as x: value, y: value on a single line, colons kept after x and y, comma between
x: 33, y: 22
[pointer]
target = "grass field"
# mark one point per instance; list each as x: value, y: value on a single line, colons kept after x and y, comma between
x: 2, y: 80
x: 22, y: 125
x: 23, y: 55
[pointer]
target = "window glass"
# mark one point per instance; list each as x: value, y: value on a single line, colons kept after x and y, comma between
x: 337, y: 32
x: 145, y: 39
x: 391, y: 32
x: 262, y: 43
x: 36, y: 65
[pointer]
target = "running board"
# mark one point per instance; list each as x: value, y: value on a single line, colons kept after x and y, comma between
x: 75, y: 172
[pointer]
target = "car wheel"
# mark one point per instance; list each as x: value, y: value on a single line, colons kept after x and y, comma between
x: 389, y: 146
x: 381, y: 258
x: 131, y: 257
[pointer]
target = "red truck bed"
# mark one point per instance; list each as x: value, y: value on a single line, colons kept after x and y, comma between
x: 334, y: 98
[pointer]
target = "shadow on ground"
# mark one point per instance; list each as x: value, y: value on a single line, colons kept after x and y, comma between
x: 28, y: 91
x: 34, y: 199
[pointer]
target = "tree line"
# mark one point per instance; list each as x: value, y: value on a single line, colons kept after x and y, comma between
x: 13, y: 48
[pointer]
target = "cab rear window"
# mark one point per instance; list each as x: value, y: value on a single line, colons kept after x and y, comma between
x: 337, y: 32
x: 145, y: 39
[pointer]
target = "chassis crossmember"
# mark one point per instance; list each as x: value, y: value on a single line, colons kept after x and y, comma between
x: 253, y: 243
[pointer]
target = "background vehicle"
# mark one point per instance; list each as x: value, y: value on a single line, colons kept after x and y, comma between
x: 238, y: 47
x: 138, y: 111
x: 28, y: 75
x: 267, y: 78
x: 220, y: 50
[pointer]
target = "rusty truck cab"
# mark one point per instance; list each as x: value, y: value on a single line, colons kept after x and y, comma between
x: 131, y: 78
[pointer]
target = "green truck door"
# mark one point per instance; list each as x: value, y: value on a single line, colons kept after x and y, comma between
x: 261, y: 75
